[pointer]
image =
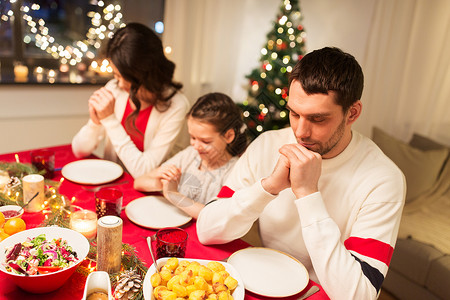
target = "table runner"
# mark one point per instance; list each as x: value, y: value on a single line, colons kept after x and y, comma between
x: 132, y: 233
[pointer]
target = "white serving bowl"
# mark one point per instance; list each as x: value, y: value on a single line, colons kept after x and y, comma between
x: 45, y: 283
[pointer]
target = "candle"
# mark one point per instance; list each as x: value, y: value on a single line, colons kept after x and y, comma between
x: 31, y: 185
x: 85, y: 222
x: 109, y: 244
x: 20, y: 73
x: 4, y: 179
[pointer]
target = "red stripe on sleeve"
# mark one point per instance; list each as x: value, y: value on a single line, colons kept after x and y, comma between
x: 225, y: 192
x: 371, y: 248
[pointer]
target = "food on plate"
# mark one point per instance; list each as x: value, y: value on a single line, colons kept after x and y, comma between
x: 191, y: 280
x: 14, y: 225
x: 37, y: 256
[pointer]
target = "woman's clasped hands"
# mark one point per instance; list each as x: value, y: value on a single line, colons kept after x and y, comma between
x: 101, y: 105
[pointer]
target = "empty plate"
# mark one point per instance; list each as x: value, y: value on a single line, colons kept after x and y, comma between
x: 92, y: 171
x: 155, y: 212
x: 269, y: 272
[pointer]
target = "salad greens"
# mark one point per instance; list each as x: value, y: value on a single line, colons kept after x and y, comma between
x: 39, y: 256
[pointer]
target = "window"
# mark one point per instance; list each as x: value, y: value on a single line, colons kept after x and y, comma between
x: 56, y: 41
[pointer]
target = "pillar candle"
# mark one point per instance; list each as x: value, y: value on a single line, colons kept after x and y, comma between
x: 31, y: 185
x: 109, y: 244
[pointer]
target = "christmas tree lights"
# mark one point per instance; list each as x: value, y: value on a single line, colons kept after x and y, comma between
x: 264, y: 109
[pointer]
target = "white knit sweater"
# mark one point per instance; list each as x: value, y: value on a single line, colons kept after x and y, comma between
x: 344, y: 234
x: 163, y: 135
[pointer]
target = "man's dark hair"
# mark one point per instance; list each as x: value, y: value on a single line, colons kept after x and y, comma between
x: 330, y: 69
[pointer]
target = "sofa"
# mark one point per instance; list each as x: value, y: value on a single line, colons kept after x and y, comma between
x: 420, y: 265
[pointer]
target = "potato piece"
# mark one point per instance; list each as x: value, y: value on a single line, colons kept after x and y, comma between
x: 210, y: 290
x: 172, y: 263
x: 231, y: 283
x: 174, y: 280
x: 187, y: 277
x: 224, y: 274
x: 198, y: 295
x: 205, y: 273
x: 217, y: 278
x: 223, y: 295
x: 194, y: 267
x: 184, y: 263
x: 190, y: 289
x: 215, y: 266
x: 200, y: 283
x: 180, y: 290
x: 167, y: 295
x: 212, y: 297
x: 157, y: 291
x: 165, y: 274
x: 179, y: 270
x: 155, y: 279
x: 219, y: 287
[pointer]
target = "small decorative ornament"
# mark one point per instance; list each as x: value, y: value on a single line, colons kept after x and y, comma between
x: 13, y: 183
x: 128, y: 285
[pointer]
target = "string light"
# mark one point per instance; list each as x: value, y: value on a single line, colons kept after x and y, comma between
x: 74, y: 53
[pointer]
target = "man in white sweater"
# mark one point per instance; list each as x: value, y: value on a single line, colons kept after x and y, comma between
x: 322, y: 192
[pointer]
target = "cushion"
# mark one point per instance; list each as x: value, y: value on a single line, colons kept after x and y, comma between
x: 438, y: 280
x: 424, y: 143
x: 407, y: 251
x: 421, y: 168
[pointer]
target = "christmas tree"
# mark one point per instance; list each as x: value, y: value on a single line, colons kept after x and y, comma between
x: 265, y: 107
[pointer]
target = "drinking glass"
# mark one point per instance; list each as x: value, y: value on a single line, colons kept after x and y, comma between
x: 171, y: 242
x: 44, y: 160
x: 108, y: 202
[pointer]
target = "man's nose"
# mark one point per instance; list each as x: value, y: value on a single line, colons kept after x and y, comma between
x: 303, y: 129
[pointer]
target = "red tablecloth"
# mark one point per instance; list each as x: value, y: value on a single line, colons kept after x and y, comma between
x: 132, y: 234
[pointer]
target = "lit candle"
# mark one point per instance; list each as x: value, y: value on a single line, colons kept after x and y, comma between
x: 21, y: 73
x: 85, y: 222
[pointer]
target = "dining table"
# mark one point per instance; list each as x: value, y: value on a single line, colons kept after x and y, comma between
x: 132, y: 234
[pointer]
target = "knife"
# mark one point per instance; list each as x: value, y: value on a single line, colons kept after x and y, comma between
x: 312, y: 290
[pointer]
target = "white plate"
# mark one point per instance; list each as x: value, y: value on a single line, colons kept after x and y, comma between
x: 92, y: 171
x: 155, y: 212
x: 269, y: 272
x: 238, y: 293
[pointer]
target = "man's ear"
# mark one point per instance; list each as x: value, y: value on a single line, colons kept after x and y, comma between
x: 354, y: 112
x: 229, y: 135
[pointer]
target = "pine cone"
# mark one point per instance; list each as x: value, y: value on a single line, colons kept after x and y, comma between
x: 128, y: 285
x: 13, y: 182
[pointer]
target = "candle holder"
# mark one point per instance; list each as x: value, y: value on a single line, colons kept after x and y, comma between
x: 33, y: 192
x: 85, y: 222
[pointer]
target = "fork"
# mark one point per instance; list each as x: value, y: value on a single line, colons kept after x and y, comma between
x: 97, y: 188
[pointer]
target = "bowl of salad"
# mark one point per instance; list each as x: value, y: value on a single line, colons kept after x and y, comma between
x: 40, y: 260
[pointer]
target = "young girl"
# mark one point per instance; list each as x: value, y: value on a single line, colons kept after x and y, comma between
x: 141, y: 112
x: 195, y: 175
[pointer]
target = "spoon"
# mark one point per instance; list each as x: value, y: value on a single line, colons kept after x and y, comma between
x: 35, y: 195
x: 149, y: 243
x: 18, y: 268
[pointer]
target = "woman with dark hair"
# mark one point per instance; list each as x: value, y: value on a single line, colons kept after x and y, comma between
x: 141, y: 112
x: 195, y: 175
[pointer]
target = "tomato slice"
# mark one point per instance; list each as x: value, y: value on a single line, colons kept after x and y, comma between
x: 45, y: 270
